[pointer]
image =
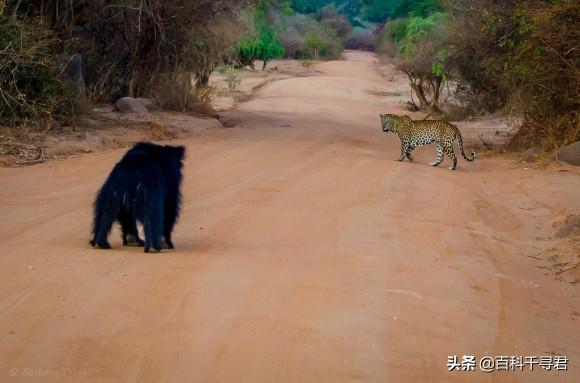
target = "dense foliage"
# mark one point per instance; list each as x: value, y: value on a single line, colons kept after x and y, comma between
x: 128, y: 47
x: 371, y: 10
x: 320, y: 35
x: 261, y: 42
x: 417, y: 42
x: 278, y: 29
x: 29, y: 87
x: 516, y: 57
x: 512, y: 56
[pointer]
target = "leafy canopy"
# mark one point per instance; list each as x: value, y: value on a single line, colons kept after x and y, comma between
x: 263, y: 44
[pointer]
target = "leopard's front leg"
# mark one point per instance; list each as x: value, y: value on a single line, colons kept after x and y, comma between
x: 404, y: 149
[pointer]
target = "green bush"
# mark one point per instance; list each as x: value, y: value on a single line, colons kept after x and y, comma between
x: 422, y: 56
x: 313, y: 44
x: 261, y: 42
x: 378, y: 10
x: 265, y: 46
x: 397, y: 29
x: 517, y: 57
x: 416, y: 29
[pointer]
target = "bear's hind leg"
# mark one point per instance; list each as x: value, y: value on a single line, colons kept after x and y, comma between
x: 105, y: 215
x: 153, y: 227
x: 130, y: 234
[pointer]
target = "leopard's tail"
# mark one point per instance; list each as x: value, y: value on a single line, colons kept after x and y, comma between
x: 460, y: 139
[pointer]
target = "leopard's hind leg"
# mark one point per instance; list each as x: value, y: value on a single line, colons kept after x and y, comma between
x: 439, y: 156
x: 451, y: 154
x: 409, y: 152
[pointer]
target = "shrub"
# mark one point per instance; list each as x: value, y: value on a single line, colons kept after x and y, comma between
x: 521, y: 56
x: 265, y: 46
x: 545, y: 70
x: 416, y: 30
x: 362, y: 39
x: 396, y: 29
x: 129, y: 46
x: 378, y: 10
x: 330, y: 19
x: 385, y: 43
x: 417, y: 8
x: 30, y: 88
x: 304, y: 37
x: 292, y: 41
x: 422, y: 55
x: 313, y: 44
x: 232, y: 79
x: 261, y: 42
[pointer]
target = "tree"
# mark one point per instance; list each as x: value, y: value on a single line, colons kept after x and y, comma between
x: 130, y: 47
x: 423, y: 58
x: 263, y: 47
x: 314, y: 44
x: 521, y: 57
x: 417, y: 8
x: 379, y: 10
x: 262, y: 43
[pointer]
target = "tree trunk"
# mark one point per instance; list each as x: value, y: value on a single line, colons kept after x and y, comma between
x: 438, y: 83
x: 427, y: 88
x: 419, y: 89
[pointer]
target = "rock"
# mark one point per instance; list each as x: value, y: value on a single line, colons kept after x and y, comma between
x: 104, y: 108
x: 569, y: 154
x: 130, y: 105
x: 532, y: 153
x: 149, y: 103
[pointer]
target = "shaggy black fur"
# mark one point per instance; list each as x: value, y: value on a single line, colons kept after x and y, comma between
x: 143, y: 186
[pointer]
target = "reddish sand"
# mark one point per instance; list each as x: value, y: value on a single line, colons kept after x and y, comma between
x: 304, y: 254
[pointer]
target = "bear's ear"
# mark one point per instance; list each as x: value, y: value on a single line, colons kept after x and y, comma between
x: 179, y: 152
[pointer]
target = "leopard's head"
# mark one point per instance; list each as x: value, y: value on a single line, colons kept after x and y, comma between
x: 390, y: 122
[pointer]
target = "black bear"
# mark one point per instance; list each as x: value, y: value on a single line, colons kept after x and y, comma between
x: 143, y: 186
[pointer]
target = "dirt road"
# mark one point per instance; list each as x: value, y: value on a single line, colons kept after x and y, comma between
x: 305, y: 254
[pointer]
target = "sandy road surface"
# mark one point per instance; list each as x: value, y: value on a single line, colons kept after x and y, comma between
x: 305, y: 254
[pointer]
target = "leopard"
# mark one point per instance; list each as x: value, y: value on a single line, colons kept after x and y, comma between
x: 414, y: 133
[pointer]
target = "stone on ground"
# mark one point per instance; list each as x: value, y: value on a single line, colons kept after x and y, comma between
x: 130, y: 105
x: 569, y: 154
